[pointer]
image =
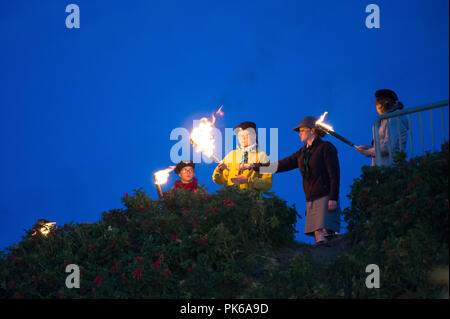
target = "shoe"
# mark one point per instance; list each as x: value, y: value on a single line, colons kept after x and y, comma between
x: 321, y: 243
x: 330, y: 236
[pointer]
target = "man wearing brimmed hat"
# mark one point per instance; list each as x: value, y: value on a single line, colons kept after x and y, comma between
x: 318, y: 163
x: 230, y: 171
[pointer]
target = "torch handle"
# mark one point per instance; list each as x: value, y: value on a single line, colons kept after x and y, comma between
x: 158, y: 188
x: 343, y: 139
x: 215, y: 159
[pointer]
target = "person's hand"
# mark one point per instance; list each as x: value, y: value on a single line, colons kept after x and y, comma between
x: 362, y: 149
x: 332, y: 205
x: 239, y: 179
x: 222, y: 166
x: 244, y: 166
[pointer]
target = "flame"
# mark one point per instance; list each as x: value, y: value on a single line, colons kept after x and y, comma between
x: 319, y: 122
x: 219, y: 111
x: 45, y: 228
x: 202, y: 136
x: 162, y: 176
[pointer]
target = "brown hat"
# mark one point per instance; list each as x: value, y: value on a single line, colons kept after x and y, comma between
x: 245, y: 125
x: 182, y: 165
x: 308, y: 121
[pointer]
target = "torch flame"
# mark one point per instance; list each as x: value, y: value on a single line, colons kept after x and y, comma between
x: 219, y: 111
x: 162, y: 176
x: 202, y: 136
x: 319, y: 122
x: 44, y: 228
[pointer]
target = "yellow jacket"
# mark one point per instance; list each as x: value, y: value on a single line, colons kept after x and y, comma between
x: 256, y: 181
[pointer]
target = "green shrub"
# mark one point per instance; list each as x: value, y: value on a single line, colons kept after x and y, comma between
x: 187, y: 245
x: 399, y: 220
x: 234, y: 243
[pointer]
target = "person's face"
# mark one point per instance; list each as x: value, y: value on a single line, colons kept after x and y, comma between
x: 382, y: 105
x: 246, y: 138
x: 379, y: 107
x: 186, y: 174
x: 305, y: 134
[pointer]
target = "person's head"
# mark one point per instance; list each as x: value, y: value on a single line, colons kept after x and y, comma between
x: 387, y: 101
x: 186, y: 171
x: 307, y: 129
x: 246, y: 133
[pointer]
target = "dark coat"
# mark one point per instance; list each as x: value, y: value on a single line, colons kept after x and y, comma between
x: 324, y: 172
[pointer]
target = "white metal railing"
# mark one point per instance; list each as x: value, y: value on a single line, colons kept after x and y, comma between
x: 408, y: 112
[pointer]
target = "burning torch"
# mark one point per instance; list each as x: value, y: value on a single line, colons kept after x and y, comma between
x: 329, y: 129
x: 161, y: 177
x: 203, y: 139
x: 43, y: 226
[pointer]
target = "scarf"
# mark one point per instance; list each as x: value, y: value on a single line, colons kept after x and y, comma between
x: 306, y: 160
x: 248, y: 148
x: 245, y: 150
x: 192, y: 185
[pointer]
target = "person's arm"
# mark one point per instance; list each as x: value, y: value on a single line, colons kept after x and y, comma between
x: 286, y: 164
x: 333, y: 169
x: 384, y: 140
x: 220, y: 177
x: 261, y: 182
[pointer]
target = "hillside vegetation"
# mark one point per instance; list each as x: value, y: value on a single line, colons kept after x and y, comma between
x: 235, y: 244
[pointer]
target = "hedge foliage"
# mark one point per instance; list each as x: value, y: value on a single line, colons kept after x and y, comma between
x: 230, y: 244
x: 187, y: 245
x: 399, y: 219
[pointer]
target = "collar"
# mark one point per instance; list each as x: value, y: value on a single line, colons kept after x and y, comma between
x: 317, y: 141
x: 249, y: 148
x: 191, y: 185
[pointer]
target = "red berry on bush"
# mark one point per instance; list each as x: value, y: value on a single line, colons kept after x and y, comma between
x: 137, y: 273
x: 157, y: 264
x: 98, y: 280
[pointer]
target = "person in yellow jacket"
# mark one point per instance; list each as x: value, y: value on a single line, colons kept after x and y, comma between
x: 230, y: 171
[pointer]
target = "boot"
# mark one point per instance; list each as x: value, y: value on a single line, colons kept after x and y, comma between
x: 319, y: 236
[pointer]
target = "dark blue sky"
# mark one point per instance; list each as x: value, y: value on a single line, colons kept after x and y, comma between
x: 86, y: 114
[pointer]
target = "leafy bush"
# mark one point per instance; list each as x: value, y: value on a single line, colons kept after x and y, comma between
x: 399, y: 220
x: 187, y: 245
x: 236, y: 244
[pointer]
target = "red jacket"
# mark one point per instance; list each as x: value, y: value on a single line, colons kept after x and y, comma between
x: 192, y: 185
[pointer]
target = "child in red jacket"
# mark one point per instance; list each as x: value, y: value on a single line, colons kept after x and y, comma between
x: 186, y: 171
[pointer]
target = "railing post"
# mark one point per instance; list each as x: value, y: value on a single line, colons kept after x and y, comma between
x: 410, y: 134
x: 432, y: 128
x: 421, y: 132
x: 408, y: 112
x: 399, y: 133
